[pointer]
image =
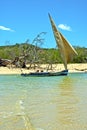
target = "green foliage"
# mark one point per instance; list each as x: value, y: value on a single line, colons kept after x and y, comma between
x: 35, y: 54
x: 82, y: 55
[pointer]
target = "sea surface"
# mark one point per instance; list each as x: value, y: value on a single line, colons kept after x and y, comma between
x: 43, y: 103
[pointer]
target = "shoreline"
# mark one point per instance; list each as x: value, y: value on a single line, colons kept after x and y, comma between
x: 73, y: 68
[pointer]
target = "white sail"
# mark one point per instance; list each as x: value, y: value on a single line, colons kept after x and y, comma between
x: 66, y: 50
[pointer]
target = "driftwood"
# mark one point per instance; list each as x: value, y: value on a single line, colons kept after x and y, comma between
x: 4, y: 62
x: 81, y: 69
x: 18, y: 62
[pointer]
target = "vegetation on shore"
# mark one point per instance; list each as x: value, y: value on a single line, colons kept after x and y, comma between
x: 33, y: 53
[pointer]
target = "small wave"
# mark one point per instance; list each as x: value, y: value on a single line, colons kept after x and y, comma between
x: 20, y: 113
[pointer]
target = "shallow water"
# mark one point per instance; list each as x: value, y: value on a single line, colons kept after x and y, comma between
x: 43, y: 103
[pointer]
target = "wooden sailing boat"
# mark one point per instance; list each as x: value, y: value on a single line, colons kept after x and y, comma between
x: 66, y: 50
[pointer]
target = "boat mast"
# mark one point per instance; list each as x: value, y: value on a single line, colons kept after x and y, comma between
x: 66, y: 50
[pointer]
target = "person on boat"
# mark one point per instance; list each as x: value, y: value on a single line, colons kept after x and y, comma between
x: 37, y: 71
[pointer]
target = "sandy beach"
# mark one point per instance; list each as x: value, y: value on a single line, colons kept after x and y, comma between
x: 82, y: 67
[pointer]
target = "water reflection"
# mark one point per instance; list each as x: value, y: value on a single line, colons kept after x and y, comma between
x: 55, y: 104
x: 68, y: 110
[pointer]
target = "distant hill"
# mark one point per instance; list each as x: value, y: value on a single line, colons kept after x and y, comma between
x: 30, y: 53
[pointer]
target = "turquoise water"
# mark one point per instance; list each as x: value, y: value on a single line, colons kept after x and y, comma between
x: 43, y: 103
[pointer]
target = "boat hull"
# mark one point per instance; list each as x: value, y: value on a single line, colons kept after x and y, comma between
x: 45, y: 74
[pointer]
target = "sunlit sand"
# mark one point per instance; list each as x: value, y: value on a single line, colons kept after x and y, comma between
x: 82, y: 67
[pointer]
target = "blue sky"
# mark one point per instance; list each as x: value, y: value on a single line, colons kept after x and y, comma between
x: 24, y: 19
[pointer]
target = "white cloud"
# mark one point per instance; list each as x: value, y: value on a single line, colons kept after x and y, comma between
x: 64, y: 27
x: 6, y: 29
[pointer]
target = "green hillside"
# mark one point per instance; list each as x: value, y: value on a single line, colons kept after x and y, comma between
x: 22, y: 53
x: 31, y: 53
